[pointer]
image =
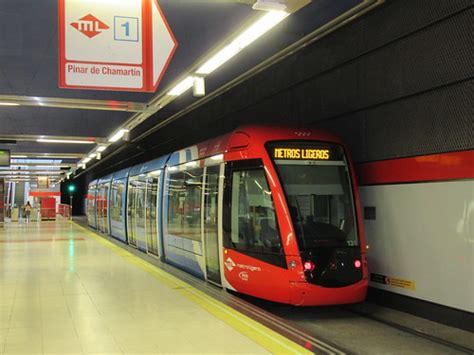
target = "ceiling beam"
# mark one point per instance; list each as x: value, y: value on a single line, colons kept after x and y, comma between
x: 31, y: 172
x: 40, y: 165
x: 19, y: 155
x: 81, y: 104
x: 14, y: 138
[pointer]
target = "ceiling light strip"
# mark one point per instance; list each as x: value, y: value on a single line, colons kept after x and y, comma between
x: 255, y: 31
x: 118, y: 135
x: 9, y: 104
x: 65, y: 141
x: 182, y: 86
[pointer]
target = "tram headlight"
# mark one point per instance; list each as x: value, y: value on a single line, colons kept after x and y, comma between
x: 308, y: 266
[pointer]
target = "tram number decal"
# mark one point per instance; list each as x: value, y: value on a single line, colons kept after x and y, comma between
x: 301, y: 153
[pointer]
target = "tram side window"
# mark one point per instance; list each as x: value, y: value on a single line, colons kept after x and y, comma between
x: 116, y: 199
x: 253, y: 222
x: 140, y: 203
x: 91, y: 203
x: 184, y: 204
x: 130, y: 200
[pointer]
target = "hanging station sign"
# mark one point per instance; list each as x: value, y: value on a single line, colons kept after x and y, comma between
x: 123, y: 45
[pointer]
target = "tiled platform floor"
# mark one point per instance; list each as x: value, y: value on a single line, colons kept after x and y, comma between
x: 63, y: 292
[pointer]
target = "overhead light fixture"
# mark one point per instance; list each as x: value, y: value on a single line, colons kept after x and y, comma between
x: 19, y: 156
x: 9, y: 104
x: 118, y: 135
x: 92, y: 155
x: 101, y: 148
x: 199, y: 86
x: 270, y: 5
x: 259, y: 28
x: 86, y: 160
x: 182, y: 87
x: 68, y: 141
x: 48, y: 166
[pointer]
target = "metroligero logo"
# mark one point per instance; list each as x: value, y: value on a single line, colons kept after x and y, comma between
x: 90, y: 25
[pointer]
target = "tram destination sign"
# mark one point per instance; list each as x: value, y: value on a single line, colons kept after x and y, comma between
x: 301, y: 153
x: 309, y: 151
x: 123, y: 45
x: 4, y: 158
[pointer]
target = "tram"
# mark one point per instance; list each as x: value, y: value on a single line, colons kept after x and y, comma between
x: 272, y: 212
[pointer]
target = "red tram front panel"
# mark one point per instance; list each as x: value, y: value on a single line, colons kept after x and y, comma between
x: 307, y: 182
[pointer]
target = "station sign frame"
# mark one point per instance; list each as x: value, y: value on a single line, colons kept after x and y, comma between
x: 121, y: 46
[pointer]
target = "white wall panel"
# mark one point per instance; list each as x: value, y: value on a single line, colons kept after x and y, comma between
x: 424, y: 232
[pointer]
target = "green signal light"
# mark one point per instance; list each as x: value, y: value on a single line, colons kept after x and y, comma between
x: 71, y: 188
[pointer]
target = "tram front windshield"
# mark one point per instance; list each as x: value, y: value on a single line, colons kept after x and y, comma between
x: 316, y: 182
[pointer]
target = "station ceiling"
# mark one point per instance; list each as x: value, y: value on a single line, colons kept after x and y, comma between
x: 29, y: 66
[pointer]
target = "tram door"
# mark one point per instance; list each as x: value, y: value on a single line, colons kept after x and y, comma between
x: 211, y: 193
x: 139, y: 211
x: 131, y: 213
x: 151, y: 213
x: 100, y: 208
x: 105, y: 209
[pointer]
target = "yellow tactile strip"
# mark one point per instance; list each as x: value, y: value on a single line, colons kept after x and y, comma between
x: 265, y: 337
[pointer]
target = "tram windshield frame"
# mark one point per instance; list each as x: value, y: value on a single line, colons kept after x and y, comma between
x: 316, y: 179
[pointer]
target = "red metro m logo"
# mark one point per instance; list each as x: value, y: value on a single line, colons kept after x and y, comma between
x: 90, y: 26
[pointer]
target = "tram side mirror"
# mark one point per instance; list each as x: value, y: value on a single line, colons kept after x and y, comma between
x: 369, y: 213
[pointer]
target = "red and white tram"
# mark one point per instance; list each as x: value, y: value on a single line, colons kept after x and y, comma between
x: 271, y: 212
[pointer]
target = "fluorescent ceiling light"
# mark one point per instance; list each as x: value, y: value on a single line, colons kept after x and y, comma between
x: 19, y: 156
x: 101, y: 148
x: 220, y: 58
x: 9, y: 104
x: 118, y: 135
x: 64, y: 141
x: 86, y: 160
x: 259, y: 28
x: 92, y: 155
x: 182, y: 87
x: 48, y: 166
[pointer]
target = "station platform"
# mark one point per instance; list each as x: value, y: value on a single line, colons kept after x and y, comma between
x: 65, y: 290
